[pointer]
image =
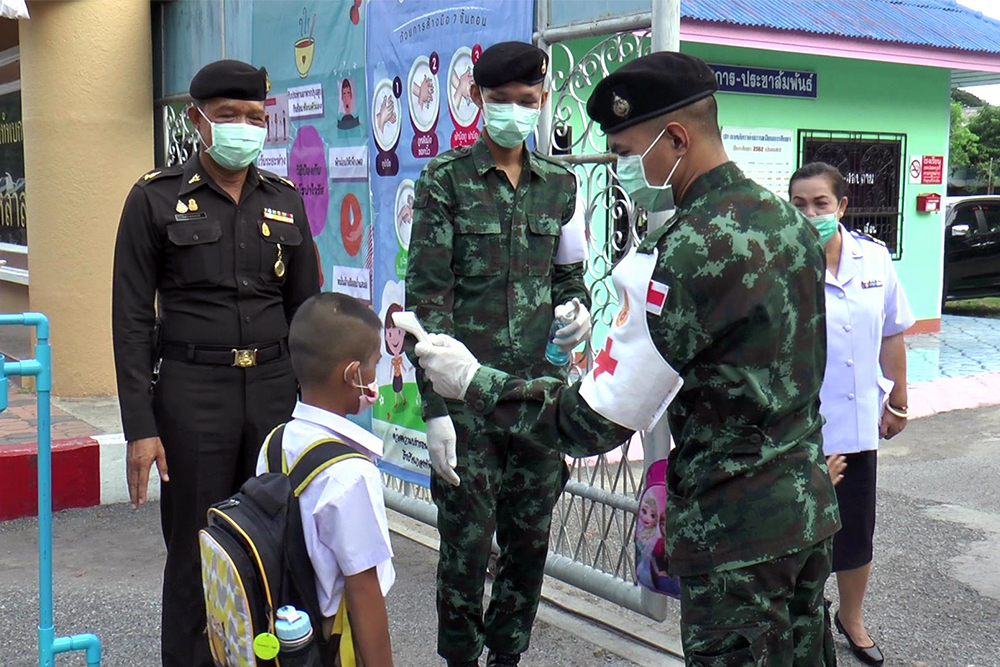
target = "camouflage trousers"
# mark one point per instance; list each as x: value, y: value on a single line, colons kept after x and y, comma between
x: 508, y: 486
x: 770, y: 614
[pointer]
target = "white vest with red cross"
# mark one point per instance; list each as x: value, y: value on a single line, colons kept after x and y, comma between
x: 630, y: 383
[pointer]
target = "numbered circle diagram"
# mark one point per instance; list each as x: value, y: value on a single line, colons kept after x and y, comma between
x: 404, y: 213
x: 423, y: 94
x: 385, y: 116
x: 351, y: 225
x: 459, y: 75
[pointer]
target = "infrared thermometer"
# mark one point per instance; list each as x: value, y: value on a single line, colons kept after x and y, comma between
x: 409, y: 323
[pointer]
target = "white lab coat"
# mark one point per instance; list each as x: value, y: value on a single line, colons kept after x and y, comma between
x: 864, y: 304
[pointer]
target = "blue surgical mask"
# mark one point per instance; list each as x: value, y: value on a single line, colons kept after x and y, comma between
x: 826, y: 225
x: 510, y: 124
x: 234, y: 145
x: 632, y: 175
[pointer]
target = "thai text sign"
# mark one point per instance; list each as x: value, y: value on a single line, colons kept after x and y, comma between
x: 760, y: 81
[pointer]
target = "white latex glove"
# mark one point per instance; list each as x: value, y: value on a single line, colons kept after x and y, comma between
x: 441, y: 441
x: 576, y: 331
x: 449, y: 365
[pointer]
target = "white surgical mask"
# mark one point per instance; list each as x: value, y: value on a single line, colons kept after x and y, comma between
x: 510, y: 124
x: 632, y: 176
x: 234, y: 145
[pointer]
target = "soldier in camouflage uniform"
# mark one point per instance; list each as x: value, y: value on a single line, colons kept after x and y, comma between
x: 722, y: 318
x: 497, y: 242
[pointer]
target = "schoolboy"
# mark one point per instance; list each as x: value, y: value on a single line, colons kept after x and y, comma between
x: 334, y: 341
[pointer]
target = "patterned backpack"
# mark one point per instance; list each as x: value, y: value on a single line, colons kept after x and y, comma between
x: 254, y: 560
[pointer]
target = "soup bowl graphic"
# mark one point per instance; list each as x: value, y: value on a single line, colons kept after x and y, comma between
x: 304, y: 49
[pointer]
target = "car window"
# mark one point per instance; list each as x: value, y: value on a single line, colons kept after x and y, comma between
x: 966, y: 215
x: 991, y: 214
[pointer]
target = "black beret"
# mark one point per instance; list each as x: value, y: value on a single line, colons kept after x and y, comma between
x: 648, y: 87
x: 510, y: 61
x: 232, y: 80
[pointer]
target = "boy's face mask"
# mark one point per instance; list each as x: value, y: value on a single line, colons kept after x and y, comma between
x: 369, y: 392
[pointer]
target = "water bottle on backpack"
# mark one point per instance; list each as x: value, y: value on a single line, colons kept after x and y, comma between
x: 295, y: 634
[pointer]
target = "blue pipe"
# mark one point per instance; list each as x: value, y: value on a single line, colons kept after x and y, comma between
x: 41, y: 369
x: 88, y: 642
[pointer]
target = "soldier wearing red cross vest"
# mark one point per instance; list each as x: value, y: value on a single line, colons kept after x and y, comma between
x: 720, y: 326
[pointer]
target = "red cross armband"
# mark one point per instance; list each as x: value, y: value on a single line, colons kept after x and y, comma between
x: 630, y: 383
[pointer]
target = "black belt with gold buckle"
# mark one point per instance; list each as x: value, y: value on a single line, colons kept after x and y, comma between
x: 215, y: 355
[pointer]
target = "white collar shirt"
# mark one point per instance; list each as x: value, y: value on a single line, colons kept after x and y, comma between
x: 343, y: 511
x: 864, y: 304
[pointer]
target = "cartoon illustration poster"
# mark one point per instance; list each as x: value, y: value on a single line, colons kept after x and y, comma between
x: 317, y: 134
x: 420, y: 59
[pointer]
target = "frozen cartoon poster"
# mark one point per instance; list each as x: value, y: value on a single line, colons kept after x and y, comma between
x: 421, y: 54
x: 650, y: 531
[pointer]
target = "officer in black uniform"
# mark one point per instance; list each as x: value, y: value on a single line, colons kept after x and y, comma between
x: 225, y: 250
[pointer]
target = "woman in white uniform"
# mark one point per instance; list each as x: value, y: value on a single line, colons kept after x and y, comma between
x: 863, y: 396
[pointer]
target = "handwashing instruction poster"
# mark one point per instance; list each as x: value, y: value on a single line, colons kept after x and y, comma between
x: 420, y: 59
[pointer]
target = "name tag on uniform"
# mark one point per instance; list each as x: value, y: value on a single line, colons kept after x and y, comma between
x: 279, y: 216
x: 871, y: 284
x: 181, y: 217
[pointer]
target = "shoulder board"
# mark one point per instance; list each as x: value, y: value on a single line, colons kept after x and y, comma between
x: 548, y: 159
x: 274, y: 178
x: 158, y: 174
x: 865, y: 237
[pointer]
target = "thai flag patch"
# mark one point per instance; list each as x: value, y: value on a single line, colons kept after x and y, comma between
x: 656, y: 297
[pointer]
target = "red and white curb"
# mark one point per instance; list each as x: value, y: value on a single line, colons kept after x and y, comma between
x: 85, y: 472
x: 91, y: 471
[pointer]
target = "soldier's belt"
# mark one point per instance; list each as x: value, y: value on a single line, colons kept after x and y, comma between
x: 217, y: 355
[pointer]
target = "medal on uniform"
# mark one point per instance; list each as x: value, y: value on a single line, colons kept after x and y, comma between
x: 192, y: 205
x: 265, y: 230
x: 279, y: 216
x: 279, y: 266
x: 181, y: 207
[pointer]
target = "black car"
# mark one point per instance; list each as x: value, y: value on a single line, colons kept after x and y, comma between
x: 972, y: 248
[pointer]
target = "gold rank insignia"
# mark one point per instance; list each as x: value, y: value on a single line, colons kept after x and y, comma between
x: 192, y: 205
x: 264, y: 229
x: 279, y: 216
x: 181, y: 207
x: 195, y: 178
x: 151, y: 175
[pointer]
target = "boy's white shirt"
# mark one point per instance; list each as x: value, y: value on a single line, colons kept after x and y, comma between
x: 343, y: 511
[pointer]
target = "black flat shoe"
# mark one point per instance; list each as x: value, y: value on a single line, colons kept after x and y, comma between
x: 870, y: 655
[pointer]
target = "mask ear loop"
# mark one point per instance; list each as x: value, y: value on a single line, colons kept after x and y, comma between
x: 197, y: 131
x: 346, y: 378
x: 642, y: 158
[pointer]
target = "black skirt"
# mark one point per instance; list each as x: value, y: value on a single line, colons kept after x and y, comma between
x: 852, y: 546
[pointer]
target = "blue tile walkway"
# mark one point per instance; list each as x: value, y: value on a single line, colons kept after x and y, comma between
x: 965, y: 346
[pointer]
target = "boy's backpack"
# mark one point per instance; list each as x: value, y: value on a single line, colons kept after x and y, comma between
x: 254, y: 558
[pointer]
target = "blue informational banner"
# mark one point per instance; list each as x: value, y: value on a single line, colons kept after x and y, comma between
x: 760, y: 81
x: 420, y: 59
x: 317, y: 134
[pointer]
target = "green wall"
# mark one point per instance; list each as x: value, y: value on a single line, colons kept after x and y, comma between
x: 854, y: 95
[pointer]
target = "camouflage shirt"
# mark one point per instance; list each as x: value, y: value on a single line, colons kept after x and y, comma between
x: 744, y: 326
x: 487, y: 261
